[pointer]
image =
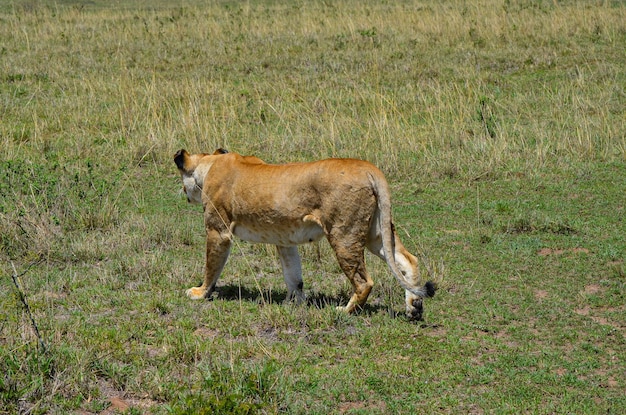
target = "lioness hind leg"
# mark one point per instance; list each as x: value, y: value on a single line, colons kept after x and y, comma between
x: 352, y: 262
x: 292, y: 272
x: 217, y: 250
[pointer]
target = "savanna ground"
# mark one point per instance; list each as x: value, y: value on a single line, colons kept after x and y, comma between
x: 501, y: 126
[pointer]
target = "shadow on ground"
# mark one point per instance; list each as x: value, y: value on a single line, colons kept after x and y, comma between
x: 318, y: 300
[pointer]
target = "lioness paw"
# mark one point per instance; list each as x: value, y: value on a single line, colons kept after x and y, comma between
x: 196, y: 293
x: 348, y: 309
x: 414, y: 310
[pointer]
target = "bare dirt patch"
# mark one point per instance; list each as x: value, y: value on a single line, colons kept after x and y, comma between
x: 557, y: 251
x: 119, y: 402
x: 550, y: 251
x: 604, y: 321
x: 583, y: 311
x: 612, y: 382
x: 602, y: 315
x: 348, y: 407
x: 592, y: 289
x: 434, y: 330
x: 206, y: 333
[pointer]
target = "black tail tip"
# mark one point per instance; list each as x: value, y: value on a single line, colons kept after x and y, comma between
x: 431, y: 287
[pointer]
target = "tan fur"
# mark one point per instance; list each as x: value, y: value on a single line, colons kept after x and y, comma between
x: 345, y: 200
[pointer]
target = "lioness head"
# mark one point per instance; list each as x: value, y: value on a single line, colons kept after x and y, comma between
x: 193, y: 171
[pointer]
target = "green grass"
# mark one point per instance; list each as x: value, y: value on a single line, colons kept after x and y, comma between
x: 500, y: 126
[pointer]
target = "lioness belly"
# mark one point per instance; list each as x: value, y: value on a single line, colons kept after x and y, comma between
x: 279, y: 234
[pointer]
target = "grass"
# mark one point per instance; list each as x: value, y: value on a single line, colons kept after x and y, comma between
x: 500, y: 126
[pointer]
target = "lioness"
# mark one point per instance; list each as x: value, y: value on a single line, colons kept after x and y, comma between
x: 346, y: 200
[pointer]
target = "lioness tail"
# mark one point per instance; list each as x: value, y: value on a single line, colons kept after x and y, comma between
x: 383, y: 198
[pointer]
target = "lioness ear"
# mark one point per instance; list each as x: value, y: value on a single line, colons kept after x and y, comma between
x: 220, y: 151
x: 179, y: 159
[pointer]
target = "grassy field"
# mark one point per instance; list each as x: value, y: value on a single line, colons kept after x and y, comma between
x: 501, y: 126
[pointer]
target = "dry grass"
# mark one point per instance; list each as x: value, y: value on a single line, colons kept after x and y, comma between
x: 446, y: 86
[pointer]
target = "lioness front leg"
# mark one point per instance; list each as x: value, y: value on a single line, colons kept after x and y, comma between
x: 409, y: 265
x: 217, y: 250
x: 292, y: 272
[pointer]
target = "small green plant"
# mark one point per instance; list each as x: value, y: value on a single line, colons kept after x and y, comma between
x: 220, y: 393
